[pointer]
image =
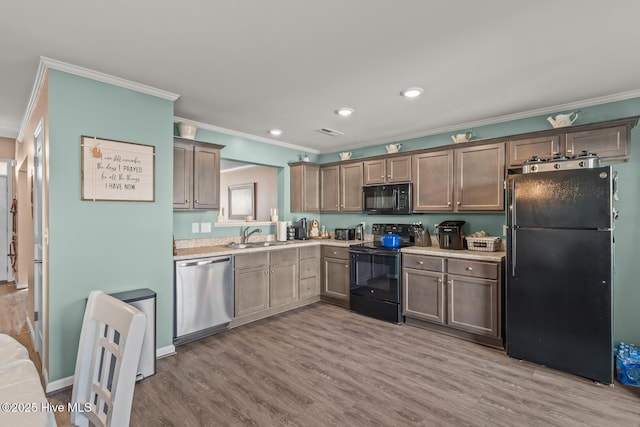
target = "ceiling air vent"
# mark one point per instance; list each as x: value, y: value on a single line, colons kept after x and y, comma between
x: 330, y: 132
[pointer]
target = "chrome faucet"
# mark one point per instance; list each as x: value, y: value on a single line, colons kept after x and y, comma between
x: 246, y: 234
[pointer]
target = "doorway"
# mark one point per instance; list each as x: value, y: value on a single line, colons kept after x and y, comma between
x: 38, y: 239
x: 6, y: 220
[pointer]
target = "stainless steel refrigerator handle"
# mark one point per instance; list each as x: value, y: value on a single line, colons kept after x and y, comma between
x: 209, y: 261
x: 513, y: 202
x: 615, y: 187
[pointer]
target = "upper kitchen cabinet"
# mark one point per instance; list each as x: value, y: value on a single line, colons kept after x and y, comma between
x: 479, y: 178
x: 523, y: 149
x: 462, y: 179
x: 609, y: 140
x: 341, y: 187
x: 196, y: 175
x: 305, y: 187
x: 433, y: 181
x: 383, y: 171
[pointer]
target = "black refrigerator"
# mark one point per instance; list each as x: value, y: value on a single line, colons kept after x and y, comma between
x: 559, y: 271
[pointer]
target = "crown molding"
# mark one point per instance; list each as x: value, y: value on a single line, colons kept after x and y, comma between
x: 622, y: 96
x: 48, y: 63
x: 246, y: 135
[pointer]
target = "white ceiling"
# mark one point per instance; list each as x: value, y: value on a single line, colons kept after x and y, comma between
x: 252, y: 65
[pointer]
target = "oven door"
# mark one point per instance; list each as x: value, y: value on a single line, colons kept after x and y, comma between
x: 375, y: 273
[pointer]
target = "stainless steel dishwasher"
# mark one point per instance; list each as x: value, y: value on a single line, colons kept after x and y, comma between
x: 203, y: 300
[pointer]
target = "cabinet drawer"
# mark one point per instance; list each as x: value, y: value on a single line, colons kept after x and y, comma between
x: 309, y: 287
x: 309, y: 252
x: 284, y: 255
x: 485, y: 270
x: 335, y: 252
x: 309, y: 268
x: 254, y: 259
x: 422, y: 262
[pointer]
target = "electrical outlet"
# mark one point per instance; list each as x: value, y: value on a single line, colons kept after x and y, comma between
x: 363, y: 224
x: 205, y: 227
x: 195, y: 227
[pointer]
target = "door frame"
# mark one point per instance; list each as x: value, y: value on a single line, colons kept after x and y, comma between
x: 39, y: 292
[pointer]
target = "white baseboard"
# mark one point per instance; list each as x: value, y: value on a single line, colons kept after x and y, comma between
x: 169, y: 350
x: 22, y: 285
x: 57, y: 385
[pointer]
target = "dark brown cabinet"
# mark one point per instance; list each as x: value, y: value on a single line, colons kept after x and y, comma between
x: 609, y: 140
x: 335, y: 275
x: 341, y: 188
x: 433, y: 181
x: 383, y: 171
x: 462, y: 179
x: 196, y: 175
x: 454, y: 295
x: 608, y: 143
x: 479, y: 178
x: 305, y: 187
x: 423, y: 288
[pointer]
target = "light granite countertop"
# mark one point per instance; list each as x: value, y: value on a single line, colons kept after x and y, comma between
x: 450, y: 253
x: 216, y: 250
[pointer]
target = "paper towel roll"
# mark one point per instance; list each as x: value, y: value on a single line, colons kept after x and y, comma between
x: 281, y: 231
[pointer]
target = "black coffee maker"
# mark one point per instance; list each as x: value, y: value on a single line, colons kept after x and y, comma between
x: 451, y: 235
x: 300, y: 227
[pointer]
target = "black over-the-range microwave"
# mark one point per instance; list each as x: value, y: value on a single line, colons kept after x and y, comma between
x: 392, y: 199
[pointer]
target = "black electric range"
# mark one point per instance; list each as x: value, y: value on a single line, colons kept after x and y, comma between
x: 375, y: 283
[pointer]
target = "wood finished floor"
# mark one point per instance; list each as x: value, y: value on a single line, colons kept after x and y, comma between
x: 322, y: 365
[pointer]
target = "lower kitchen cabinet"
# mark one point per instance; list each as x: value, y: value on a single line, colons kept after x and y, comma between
x: 309, y: 271
x: 335, y: 275
x: 251, y: 283
x: 453, y: 295
x: 283, y: 277
x: 423, y: 291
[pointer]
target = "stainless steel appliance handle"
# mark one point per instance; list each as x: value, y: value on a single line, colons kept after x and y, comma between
x: 512, y: 199
x: 395, y: 200
x: 374, y: 252
x: 205, y: 262
x: 615, y: 187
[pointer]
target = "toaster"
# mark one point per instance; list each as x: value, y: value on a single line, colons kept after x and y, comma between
x: 345, y: 233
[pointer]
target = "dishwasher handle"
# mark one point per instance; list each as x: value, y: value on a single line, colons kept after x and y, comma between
x: 204, y: 262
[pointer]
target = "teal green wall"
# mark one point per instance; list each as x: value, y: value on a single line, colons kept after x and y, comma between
x: 110, y: 246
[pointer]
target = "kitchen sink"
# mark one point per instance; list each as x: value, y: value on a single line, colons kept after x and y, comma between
x: 256, y: 245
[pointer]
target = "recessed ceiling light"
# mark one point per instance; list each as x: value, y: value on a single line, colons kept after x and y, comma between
x: 275, y: 132
x: 344, y: 111
x: 412, y: 92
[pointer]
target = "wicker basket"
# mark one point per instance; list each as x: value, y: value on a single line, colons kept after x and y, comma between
x: 484, y: 244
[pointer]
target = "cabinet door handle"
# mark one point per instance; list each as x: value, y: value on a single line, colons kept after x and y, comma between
x: 470, y: 268
x: 421, y: 262
x: 266, y: 272
x: 186, y: 201
x: 382, y: 177
x: 273, y: 271
x: 388, y: 176
x: 197, y: 201
x: 448, y: 203
x: 449, y: 282
x: 335, y: 253
x: 439, y: 281
x: 346, y: 266
x: 459, y: 203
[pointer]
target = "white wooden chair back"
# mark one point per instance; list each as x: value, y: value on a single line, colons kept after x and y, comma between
x: 108, y: 355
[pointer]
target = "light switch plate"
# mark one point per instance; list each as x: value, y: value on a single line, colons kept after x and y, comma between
x: 205, y: 227
x: 195, y: 227
x: 504, y: 230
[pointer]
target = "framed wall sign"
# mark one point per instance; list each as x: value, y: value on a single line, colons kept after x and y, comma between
x: 116, y: 170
